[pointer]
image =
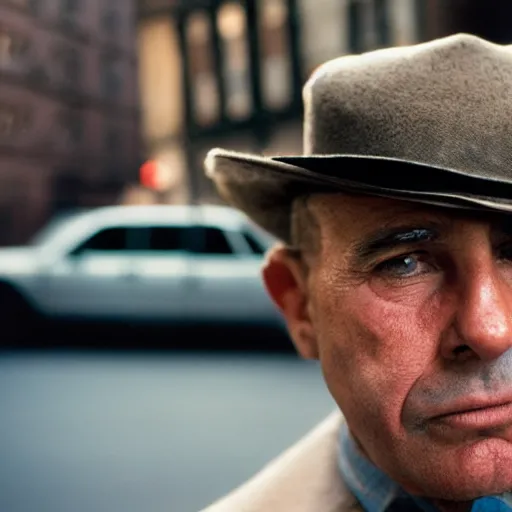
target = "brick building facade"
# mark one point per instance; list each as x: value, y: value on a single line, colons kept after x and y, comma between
x: 69, y: 115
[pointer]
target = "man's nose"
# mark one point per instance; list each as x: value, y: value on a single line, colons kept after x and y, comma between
x: 484, y: 315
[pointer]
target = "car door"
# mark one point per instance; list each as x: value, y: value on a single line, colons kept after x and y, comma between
x: 133, y: 272
x: 159, y: 272
x: 225, y: 278
x: 92, y: 280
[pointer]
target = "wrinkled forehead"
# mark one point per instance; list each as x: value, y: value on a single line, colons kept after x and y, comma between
x: 345, y: 210
x: 358, y: 214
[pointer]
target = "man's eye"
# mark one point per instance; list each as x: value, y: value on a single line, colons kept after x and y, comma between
x: 402, y: 266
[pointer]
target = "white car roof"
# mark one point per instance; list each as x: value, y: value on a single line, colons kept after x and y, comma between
x: 221, y: 216
x: 65, y: 229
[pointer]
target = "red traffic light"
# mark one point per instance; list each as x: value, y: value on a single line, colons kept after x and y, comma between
x: 150, y: 174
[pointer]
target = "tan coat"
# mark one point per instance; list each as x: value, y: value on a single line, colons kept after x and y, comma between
x: 305, y: 478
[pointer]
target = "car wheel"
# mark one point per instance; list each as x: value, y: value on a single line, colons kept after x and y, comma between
x: 17, y: 318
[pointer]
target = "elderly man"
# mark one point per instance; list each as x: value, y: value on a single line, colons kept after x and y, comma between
x: 395, y: 272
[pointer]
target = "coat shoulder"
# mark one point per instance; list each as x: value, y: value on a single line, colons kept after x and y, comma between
x: 305, y: 478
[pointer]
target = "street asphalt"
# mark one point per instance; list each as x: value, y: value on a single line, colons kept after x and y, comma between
x: 162, y: 431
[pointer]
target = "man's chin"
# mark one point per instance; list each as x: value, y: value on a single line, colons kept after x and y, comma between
x: 483, y: 468
x: 466, y: 493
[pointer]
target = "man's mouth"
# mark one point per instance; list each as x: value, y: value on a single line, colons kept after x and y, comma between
x: 477, y: 415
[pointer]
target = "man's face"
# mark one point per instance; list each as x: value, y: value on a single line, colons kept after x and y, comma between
x: 409, y: 309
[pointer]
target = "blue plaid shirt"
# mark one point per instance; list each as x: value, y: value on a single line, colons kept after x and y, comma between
x: 376, y: 492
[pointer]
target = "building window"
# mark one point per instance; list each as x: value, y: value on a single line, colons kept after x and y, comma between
x: 275, y: 54
x: 19, y: 3
x: 31, y: 5
x: 35, y: 7
x: 70, y: 8
x: 232, y: 25
x: 404, y: 17
x: 110, y: 77
x: 368, y: 24
x: 72, y: 124
x: 202, y: 72
x: 110, y: 20
x: 14, y: 48
x: 326, y: 29
x: 14, y: 120
x: 383, y: 22
x: 71, y: 66
x: 113, y: 141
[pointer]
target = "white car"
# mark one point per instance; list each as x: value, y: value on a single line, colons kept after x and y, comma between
x: 149, y: 264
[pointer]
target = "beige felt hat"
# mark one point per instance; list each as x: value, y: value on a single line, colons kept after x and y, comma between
x: 430, y: 123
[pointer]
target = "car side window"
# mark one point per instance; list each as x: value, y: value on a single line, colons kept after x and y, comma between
x: 167, y: 239
x: 256, y: 246
x: 215, y: 242
x: 209, y: 240
x: 198, y: 240
x: 109, y: 239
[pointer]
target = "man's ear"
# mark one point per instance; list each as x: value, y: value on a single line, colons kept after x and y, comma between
x: 285, y: 278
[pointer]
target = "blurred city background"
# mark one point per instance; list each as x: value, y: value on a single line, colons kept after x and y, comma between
x: 110, y: 231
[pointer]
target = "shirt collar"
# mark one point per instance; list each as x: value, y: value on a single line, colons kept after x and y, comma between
x: 372, y: 487
x: 376, y: 491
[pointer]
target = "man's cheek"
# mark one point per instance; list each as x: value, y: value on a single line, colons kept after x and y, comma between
x: 391, y: 356
x: 387, y: 345
x: 397, y: 338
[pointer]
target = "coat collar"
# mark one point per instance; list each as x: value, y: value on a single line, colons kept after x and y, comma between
x: 305, y: 478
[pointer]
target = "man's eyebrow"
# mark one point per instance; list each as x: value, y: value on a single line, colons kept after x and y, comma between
x: 391, y: 238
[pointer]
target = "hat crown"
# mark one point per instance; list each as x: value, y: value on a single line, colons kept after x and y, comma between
x: 445, y: 103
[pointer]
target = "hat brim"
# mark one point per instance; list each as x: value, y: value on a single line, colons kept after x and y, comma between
x: 265, y: 188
